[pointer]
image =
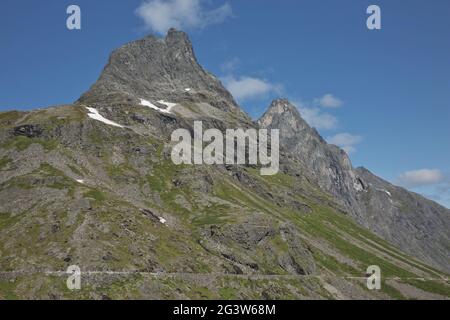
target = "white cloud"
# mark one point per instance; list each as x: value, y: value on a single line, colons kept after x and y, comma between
x: 160, y: 15
x: 244, y: 88
x: 315, y: 117
x: 346, y: 141
x: 318, y: 119
x: 420, y: 178
x: 328, y: 101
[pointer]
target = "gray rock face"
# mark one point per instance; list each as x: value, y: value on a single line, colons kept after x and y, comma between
x: 415, y: 224
x: 29, y: 131
x: 158, y: 69
x: 78, y: 190
x: 326, y: 164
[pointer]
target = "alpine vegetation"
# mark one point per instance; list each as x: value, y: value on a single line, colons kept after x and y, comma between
x: 102, y: 187
x: 251, y: 145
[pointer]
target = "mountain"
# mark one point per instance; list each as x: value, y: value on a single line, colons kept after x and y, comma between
x: 158, y: 69
x: 92, y: 184
x: 417, y: 225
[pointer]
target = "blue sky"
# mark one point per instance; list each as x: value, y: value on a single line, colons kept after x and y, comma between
x: 384, y: 95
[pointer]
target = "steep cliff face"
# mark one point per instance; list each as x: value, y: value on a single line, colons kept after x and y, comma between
x: 415, y: 224
x: 157, y: 69
x: 328, y: 165
x: 93, y: 184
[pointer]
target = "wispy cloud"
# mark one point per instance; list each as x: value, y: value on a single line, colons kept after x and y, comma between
x: 420, y: 178
x: 346, y: 141
x: 316, y: 118
x: 246, y: 88
x: 328, y: 101
x: 230, y: 65
x: 160, y: 15
x: 432, y: 183
x: 313, y: 114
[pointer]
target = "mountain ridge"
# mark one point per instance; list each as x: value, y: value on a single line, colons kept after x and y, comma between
x: 158, y: 69
x: 362, y: 193
x: 75, y: 189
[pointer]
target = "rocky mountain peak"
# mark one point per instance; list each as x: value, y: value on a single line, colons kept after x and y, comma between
x: 283, y: 107
x: 93, y: 184
x: 331, y: 165
x: 176, y: 38
x: 284, y: 115
x: 158, y: 69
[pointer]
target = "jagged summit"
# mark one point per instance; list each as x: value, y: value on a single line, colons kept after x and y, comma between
x: 281, y: 105
x: 93, y: 184
x: 328, y: 162
x: 284, y: 115
x: 395, y: 214
x: 158, y: 69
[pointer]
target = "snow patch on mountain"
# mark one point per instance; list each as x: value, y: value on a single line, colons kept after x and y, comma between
x: 358, y: 186
x: 169, y: 105
x: 385, y: 191
x: 151, y: 105
x: 93, y: 113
